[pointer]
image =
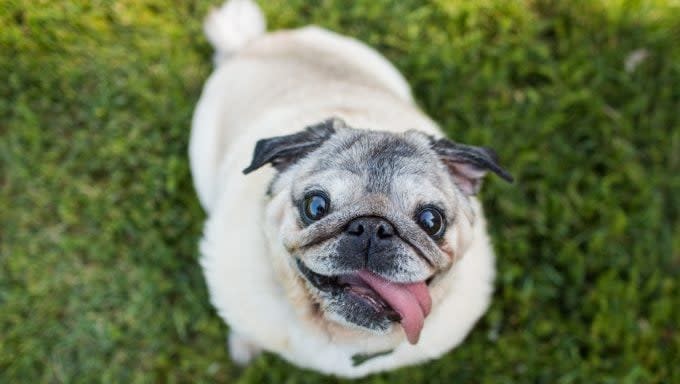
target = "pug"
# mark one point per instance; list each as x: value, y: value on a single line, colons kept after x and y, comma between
x: 342, y: 230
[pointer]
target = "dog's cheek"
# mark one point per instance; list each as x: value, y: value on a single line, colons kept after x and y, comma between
x: 283, y: 233
x: 281, y: 221
x: 275, y: 213
x: 276, y: 227
x: 465, y: 228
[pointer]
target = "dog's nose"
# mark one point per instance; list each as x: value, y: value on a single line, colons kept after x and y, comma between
x: 374, y: 228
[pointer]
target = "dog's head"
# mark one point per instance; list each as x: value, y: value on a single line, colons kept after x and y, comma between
x: 370, y: 220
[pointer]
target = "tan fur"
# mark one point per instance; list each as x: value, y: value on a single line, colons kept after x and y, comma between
x: 277, y: 84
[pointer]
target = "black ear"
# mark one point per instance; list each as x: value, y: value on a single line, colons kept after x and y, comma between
x: 283, y: 151
x: 468, y: 164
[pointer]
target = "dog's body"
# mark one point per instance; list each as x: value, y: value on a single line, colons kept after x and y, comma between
x: 275, y: 84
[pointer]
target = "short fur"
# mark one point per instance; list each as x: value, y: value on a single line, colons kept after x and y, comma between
x: 369, y: 148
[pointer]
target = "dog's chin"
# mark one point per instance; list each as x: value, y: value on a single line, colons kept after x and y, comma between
x: 348, y: 301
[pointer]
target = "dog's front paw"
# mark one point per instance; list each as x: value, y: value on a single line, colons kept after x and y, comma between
x: 242, y: 350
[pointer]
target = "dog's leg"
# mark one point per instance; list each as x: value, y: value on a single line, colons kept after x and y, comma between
x: 242, y: 350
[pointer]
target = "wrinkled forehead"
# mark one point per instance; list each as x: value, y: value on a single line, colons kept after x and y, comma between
x: 399, y: 166
x: 380, y: 159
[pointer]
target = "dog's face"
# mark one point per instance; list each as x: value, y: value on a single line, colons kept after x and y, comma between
x: 370, y: 220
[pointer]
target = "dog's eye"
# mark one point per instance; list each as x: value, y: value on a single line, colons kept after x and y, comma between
x: 431, y: 221
x: 315, y: 206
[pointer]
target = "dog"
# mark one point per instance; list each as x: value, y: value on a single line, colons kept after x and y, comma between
x: 342, y: 231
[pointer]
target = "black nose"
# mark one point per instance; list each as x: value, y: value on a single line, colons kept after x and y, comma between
x: 373, y: 228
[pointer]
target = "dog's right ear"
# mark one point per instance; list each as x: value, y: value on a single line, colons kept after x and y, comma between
x: 283, y: 151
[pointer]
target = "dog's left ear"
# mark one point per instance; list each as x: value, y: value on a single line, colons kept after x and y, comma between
x: 468, y: 164
x: 283, y: 151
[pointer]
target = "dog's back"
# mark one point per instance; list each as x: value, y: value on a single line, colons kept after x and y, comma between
x: 268, y: 84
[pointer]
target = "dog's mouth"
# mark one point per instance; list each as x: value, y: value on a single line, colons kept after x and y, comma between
x: 407, y: 304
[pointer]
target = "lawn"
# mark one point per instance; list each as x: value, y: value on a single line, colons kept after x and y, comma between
x: 99, y: 222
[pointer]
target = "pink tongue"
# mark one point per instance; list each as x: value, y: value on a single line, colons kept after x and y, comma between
x: 412, y: 301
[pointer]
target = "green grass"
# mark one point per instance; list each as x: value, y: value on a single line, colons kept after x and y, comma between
x: 99, y: 222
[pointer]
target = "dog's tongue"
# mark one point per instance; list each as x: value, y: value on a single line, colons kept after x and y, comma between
x: 412, y: 301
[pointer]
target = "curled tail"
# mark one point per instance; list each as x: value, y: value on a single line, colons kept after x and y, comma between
x: 231, y: 26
